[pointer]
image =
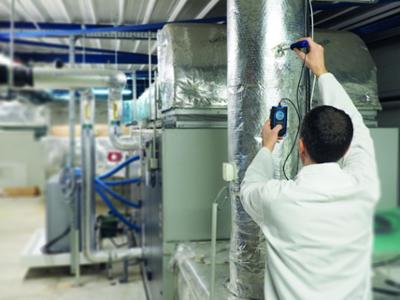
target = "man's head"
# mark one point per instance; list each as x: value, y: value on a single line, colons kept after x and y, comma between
x: 325, y: 135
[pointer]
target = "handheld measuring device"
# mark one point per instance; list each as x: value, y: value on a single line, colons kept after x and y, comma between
x: 278, y: 116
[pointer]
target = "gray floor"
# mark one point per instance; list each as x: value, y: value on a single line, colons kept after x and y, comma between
x: 19, y: 218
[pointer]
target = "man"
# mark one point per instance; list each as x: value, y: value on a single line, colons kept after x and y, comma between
x: 318, y: 226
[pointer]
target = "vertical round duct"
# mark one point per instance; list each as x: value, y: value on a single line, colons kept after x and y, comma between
x: 259, y: 76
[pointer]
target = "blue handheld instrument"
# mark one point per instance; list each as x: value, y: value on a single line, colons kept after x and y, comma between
x: 278, y: 116
x: 301, y: 45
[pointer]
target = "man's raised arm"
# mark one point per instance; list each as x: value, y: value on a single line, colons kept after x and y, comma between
x: 360, y: 158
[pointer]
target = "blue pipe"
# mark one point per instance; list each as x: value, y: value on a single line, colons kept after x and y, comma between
x: 122, y: 181
x: 128, y: 28
x: 133, y: 58
x: 64, y: 47
x: 117, y: 196
x: 119, y: 167
x: 115, y: 212
x: 78, y: 26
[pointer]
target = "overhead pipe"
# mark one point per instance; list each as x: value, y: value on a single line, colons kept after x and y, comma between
x: 88, y: 189
x: 259, y: 76
x: 49, y: 78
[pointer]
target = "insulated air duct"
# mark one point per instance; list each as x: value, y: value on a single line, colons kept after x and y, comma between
x: 259, y: 76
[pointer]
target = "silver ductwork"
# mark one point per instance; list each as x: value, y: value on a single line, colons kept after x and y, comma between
x: 358, y: 74
x: 192, y: 66
x: 259, y: 76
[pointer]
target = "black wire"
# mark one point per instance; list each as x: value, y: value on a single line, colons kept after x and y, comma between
x: 48, y: 245
x: 386, y: 292
x: 298, y: 111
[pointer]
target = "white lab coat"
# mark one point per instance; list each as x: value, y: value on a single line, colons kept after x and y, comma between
x: 319, y: 226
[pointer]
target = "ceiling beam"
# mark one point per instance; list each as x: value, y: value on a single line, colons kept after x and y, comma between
x: 94, y: 18
x: 132, y: 58
x: 120, y: 20
x: 61, y: 7
x: 31, y: 12
x: 335, y: 15
x: 363, y: 16
x: 146, y: 19
x: 206, y: 10
x: 375, y: 18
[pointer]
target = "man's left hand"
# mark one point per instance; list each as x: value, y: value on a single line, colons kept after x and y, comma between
x: 270, y: 136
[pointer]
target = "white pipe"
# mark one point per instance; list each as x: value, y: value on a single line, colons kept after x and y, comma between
x: 48, y: 78
x: 213, y: 248
x: 88, y: 78
x: 11, y: 50
x: 119, y: 141
x: 88, y: 196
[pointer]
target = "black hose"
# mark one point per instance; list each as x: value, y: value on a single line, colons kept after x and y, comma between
x: 47, y: 247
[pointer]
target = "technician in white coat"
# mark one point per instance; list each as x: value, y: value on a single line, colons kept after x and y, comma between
x: 319, y: 226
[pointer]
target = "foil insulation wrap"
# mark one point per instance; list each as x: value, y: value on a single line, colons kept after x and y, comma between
x: 259, y: 76
x: 192, y: 66
x: 348, y: 58
x: 191, y: 264
x: 23, y: 112
x: 144, y: 106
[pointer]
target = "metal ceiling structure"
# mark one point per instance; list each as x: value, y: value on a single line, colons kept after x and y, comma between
x: 112, y: 33
x: 41, y: 15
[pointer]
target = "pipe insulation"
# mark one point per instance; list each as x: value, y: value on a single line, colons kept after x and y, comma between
x: 50, y: 78
x: 259, y: 76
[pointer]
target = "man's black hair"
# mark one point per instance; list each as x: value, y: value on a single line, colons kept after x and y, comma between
x: 327, y: 133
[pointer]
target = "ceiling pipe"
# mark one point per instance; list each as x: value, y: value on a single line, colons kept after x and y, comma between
x: 82, y: 78
x: 77, y: 78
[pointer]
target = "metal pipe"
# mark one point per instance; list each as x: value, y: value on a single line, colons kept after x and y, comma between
x: 11, y: 50
x: 259, y: 76
x: 119, y: 141
x: 88, y: 191
x: 75, y: 236
x: 213, y: 247
x: 88, y: 78
x: 80, y: 78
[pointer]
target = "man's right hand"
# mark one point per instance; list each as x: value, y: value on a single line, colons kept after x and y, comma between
x: 314, y: 59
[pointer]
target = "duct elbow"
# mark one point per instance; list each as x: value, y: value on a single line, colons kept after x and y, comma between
x: 123, y: 143
x: 118, y: 80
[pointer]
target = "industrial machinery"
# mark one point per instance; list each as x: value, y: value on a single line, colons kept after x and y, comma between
x: 186, y: 110
x: 72, y: 223
x: 194, y: 238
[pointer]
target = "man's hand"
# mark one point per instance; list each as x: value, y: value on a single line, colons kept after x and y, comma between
x: 270, y: 136
x: 314, y: 59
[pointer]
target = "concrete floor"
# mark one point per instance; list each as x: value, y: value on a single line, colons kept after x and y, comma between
x: 19, y: 218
